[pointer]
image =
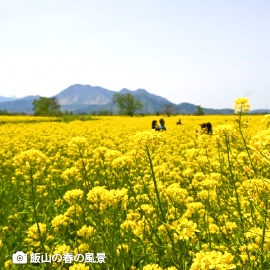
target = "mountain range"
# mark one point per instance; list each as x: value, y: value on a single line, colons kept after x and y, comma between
x: 86, y: 99
x: 3, y: 99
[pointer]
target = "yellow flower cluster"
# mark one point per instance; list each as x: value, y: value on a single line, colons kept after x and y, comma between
x: 79, y: 266
x: 86, y: 232
x: 184, y: 229
x: 225, y: 133
x: 146, y: 142
x: 31, y: 160
x: 175, y: 193
x: 258, y: 190
x: 72, y: 196
x: 70, y: 173
x: 152, y: 267
x: 256, y: 234
x: 78, y: 146
x: 241, y: 104
x: 122, y: 161
x: 122, y: 247
x: 33, y: 230
x: 111, y: 155
x: 60, y: 220
x: 83, y: 248
x: 33, y: 234
x: 266, y: 120
x: 213, y: 260
x: 260, y: 145
x: 139, y: 227
x: 101, y: 198
x: 61, y: 249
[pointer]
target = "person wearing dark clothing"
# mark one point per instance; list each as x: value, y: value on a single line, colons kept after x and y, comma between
x: 208, y: 127
x: 179, y: 122
x: 154, y: 125
x: 162, y: 125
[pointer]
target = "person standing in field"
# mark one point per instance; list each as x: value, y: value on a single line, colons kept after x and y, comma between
x: 179, y: 122
x: 208, y: 127
x: 162, y: 124
x: 154, y: 125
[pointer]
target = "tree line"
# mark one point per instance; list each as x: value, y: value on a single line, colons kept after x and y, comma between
x: 127, y: 105
x: 50, y: 106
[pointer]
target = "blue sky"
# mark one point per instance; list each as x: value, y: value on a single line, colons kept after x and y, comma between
x: 204, y: 52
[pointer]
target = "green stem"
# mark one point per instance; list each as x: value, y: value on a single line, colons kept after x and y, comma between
x: 236, y: 194
x: 75, y: 228
x: 159, y: 203
x: 114, y: 218
x: 263, y: 237
x: 152, y: 228
x: 35, y: 212
x: 253, y: 167
x: 104, y: 168
x: 85, y: 172
x: 155, y: 184
x: 200, y: 165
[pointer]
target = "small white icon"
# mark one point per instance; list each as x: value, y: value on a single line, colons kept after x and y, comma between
x: 19, y: 258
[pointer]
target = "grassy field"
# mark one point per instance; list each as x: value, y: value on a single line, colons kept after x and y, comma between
x: 148, y: 200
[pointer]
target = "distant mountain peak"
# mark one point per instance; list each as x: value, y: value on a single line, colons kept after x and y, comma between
x: 5, y: 99
x: 84, y: 98
x: 31, y: 97
x: 140, y: 90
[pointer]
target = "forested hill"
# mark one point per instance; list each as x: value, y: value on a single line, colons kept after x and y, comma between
x: 86, y: 99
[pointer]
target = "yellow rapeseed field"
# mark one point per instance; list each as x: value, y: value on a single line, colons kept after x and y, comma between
x: 26, y: 119
x: 114, y: 192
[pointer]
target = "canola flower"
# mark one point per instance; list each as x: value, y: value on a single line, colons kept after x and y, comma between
x: 72, y: 195
x: 266, y: 120
x: 191, y: 201
x: 213, y: 260
x: 31, y: 160
x: 146, y: 142
x: 242, y: 105
x: 86, y: 232
x: 79, y: 266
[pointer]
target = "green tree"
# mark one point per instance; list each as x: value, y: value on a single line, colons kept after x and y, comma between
x: 46, y: 106
x: 167, y: 109
x: 127, y: 103
x: 199, y: 111
x: 103, y: 112
x: 54, y: 105
x: 175, y: 111
x: 4, y: 112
